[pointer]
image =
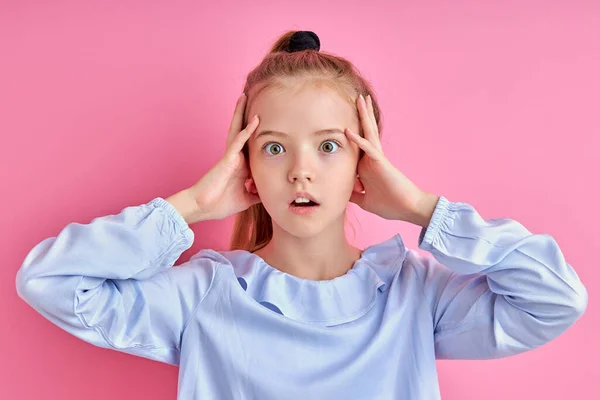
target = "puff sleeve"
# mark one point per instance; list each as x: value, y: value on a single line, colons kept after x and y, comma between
x: 494, y: 289
x: 111, y: 282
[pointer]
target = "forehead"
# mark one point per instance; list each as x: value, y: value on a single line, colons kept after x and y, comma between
x: 303, y: 109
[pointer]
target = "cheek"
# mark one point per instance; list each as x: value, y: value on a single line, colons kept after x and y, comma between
x: 267, y: 183
x: 255, y: 161
x: 341, y: 176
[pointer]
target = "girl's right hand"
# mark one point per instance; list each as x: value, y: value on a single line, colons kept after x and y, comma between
x: 222, y: 192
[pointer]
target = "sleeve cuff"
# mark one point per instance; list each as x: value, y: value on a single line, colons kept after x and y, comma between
x: 175, y: 216
x: 429, y: 233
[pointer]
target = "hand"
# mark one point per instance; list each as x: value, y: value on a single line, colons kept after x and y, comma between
x: 221, y: 192
x: 387, y: 191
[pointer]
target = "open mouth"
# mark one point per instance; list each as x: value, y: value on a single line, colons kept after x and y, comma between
x: 304, y: 208
x: 309, y: 204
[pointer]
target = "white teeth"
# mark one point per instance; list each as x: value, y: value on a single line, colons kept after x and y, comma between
x: 302, y: 200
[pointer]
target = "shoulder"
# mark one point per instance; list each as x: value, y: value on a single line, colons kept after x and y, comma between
x: 393, y: 261
x: 215, y: 262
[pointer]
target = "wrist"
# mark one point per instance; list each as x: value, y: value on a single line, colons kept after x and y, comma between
x: 186, y: 205
x: 424, y: 209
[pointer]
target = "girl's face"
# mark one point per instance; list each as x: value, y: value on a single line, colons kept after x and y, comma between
x: 289, y: 152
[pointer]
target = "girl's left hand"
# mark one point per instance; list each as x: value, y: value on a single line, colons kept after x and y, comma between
x: 387, y: 191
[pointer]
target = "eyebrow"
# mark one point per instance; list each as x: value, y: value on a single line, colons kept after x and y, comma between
x: 321, y: 132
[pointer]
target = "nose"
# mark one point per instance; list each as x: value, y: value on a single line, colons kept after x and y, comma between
x: 301, y: 169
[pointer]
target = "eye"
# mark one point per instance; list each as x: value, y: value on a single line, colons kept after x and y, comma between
x: 276, y: 145
x: 329, y: 146
x: 279, y: 148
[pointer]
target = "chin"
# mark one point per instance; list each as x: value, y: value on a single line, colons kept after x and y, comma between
x: 303, y: 226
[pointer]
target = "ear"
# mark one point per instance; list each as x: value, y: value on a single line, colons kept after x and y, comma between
x: 250, y: 186
x: 358, y: 186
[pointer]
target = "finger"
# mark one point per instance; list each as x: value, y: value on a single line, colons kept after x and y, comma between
x: 371, y: 112
x: 238, y: 142
x: 364, y: 144
x: 238, y: 119
x: 367, y: 123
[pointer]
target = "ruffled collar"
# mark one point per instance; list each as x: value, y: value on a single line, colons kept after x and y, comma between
x: 328, y: 302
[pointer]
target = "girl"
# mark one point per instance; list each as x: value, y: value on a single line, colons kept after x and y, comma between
x: 294, y: 311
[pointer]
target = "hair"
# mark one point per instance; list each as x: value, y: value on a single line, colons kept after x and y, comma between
x: 280, y: 70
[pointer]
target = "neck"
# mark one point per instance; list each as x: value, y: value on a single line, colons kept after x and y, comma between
x: 320, y: 257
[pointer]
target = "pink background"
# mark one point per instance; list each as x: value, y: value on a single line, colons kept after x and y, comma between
x: 105, y: 106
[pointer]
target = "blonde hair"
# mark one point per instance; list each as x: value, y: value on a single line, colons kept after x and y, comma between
x: 281, y: 69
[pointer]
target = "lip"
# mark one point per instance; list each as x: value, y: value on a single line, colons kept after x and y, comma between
x: 303, y: 194
x: 303, y: 210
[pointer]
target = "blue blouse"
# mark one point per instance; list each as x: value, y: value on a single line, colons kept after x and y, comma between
x: 241, y: 329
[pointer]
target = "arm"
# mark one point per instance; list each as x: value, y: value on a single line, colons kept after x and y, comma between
x: 494, y: 289
x: 110, y: 282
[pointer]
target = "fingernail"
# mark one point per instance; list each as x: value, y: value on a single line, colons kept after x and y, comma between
x: 361, y: 96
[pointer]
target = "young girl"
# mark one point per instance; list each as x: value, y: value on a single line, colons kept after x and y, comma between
x: 293, y: 310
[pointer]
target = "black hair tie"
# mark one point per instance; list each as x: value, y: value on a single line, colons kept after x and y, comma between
x: 304, y: 40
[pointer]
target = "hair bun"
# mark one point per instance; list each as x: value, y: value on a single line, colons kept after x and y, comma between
x: 304, y: 40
